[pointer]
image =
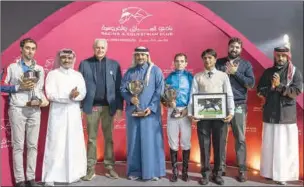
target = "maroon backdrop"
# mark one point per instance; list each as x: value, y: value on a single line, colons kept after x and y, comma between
x: 166, y: 28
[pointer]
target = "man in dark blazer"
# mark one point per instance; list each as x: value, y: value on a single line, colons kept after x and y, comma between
x: 102, y: 102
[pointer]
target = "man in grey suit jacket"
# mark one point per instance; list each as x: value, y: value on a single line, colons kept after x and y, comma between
x: 102, y: 102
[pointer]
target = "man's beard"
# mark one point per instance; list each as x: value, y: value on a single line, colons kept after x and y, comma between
x: 280, y: 65
x: 66, y: 65
x: 233, y: 56
x: 140, y: 62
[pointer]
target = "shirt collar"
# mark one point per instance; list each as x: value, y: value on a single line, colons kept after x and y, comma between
x: 144, y: 66
x: 179, y: 71
x: 21, y: 62
x: 102, y: 60
x: 213, y: 71
x: 65, y: 71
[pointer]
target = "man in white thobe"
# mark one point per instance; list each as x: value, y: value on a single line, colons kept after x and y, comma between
x: 279, y: 86
x: 65, y: 153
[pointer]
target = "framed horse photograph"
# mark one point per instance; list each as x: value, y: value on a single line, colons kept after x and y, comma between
x: 208, y: 106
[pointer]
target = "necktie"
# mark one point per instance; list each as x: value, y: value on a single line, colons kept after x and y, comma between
x: 210, y: 74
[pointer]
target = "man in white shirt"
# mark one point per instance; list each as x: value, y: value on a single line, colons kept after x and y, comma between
x: 211, y: 81
x: 24, y: 113
x: 65, y: 151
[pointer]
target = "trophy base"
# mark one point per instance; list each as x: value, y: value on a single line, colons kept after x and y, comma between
x: 34, y: 102
x: 177, y: 114
x: 138, y: 114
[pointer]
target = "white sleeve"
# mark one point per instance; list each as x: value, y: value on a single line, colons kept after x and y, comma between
x: 194, y: 90
x: 51, y: 90
x: 81, y: 88
x: 8, y: 75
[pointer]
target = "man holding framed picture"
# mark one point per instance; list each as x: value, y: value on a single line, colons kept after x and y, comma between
x: 212, y: 107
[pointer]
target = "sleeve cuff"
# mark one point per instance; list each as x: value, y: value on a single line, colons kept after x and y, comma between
x: 153, y: 108
x: 16, y: 88
x: 237, y: 74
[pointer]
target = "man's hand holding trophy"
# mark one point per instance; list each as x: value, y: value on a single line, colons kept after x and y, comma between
x: 28, y: 82
x: 135, y: 88
x: 26, y: 85
x: 169, y: 100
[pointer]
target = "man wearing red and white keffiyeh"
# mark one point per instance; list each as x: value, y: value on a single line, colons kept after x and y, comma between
x: 279, y: 86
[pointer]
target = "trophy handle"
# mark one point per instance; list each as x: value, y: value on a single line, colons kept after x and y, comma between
x: 137, y: 106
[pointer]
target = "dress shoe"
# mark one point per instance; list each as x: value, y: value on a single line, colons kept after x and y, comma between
x: 32, y: 183
x: 112, y: 174
x: 218, y: 180
x: 20, y: 184
x: 242, y: 177
x: 204, y: 180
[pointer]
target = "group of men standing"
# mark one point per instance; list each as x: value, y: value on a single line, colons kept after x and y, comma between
x: 100, y: 89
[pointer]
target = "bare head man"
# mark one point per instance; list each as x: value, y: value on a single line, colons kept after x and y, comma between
x: 28, y: 48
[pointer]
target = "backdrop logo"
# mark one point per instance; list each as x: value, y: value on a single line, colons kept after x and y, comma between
x: 48, y: 65
x: 133, y: 13
x: 129, y: 29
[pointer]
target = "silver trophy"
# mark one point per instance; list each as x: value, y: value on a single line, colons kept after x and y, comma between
x: 135, y: 88
x: 32, y: 76
x: 169, y: 96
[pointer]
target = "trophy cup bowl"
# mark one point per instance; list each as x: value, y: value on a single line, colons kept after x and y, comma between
x: 135, y: 88
x: 170, y: 96
x: 32, y: 76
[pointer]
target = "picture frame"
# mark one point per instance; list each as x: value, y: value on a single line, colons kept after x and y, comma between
x: 210, y: 106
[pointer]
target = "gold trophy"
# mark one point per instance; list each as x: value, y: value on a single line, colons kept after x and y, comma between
x: 32, y: 76
x: 170, y: 95
x: 135, y: 88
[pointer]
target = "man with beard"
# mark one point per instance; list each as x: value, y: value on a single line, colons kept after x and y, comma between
x: 24, y: 116
x: 241, y: 78
x: 145, y: 146
x: 65, y: 151
x: 279, y: 86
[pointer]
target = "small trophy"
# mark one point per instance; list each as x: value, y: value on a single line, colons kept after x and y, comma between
x: 170, y: 96
x: 135, y: 88
x: 32, y: 76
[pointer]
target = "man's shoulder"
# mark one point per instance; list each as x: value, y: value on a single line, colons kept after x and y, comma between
x: 12, y: 65
x: 221, y: 61
x: 221, y: 73
x: 297, y: 72
x: 188, y: 73
x: 52, y: 72
x: 156, y: 69
x: 245, y: 62
x: 87, y: 60
x: 39, y: 67
x: 77, y: 73
x: 114, y: 62
x: 199, y: 74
